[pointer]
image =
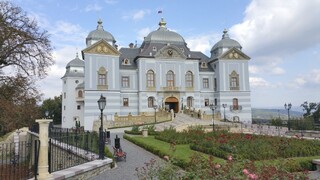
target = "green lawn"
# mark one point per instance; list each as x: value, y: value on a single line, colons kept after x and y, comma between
x: 182, y: 152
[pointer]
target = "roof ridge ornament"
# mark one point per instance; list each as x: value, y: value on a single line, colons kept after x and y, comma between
x: 162, y: 23
x: 225, y: 34
x: 99, y: 27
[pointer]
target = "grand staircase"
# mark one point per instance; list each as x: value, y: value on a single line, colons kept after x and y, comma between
x: 182, y: 121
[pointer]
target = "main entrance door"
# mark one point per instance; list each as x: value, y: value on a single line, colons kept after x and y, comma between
x: 172, y: 103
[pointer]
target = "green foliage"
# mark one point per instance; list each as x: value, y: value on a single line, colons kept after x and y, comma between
x: 53, y: 106
x: 109, y: 154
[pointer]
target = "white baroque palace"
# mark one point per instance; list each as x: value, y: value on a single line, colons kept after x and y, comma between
x: 162, y: 72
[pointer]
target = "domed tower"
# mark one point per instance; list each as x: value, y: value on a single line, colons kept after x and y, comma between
x: 231, y: 79
x: 163, y: 38
x: 101, y: 59
x: 72, y: 95
x: 168, y: 71
x: 98, y: 34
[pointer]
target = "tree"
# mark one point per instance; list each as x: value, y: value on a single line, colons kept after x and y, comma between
x: 18, y: 107
x: 53, y: 106
x: 23, y: 45
x: 25, y: 52
x: 309, y: 108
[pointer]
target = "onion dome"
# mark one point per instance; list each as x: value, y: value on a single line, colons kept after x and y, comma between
x: 77, y: 62
x: 75, y: 68
x: 163, y: 35
x: 226, y: 42
x: 99, y: 34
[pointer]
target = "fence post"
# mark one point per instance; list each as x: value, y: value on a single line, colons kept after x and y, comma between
x: 43, y: 167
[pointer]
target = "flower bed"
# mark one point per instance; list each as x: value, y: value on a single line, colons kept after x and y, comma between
x: 242, y: 146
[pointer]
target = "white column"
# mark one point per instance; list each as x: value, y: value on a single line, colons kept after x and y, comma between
x: 43, y: 166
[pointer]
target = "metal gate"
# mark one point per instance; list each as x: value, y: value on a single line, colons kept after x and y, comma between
x: 19, y: 160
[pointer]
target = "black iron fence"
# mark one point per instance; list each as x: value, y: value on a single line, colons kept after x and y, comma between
x: 17, y: 160
x: 71, y: 147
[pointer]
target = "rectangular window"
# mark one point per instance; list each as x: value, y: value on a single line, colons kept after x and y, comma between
x: 64, y: 95
x: 233, y: 82
x: 206, y: 102
x: 125, y: 82
x: 215, y: 101
x: 78, y: 107
x: 64, y: 107
x: 125, y: 101
x: 205, y: 83
x: 102, y: 81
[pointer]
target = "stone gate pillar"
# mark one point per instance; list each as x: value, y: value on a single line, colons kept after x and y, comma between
x: 43, y: 166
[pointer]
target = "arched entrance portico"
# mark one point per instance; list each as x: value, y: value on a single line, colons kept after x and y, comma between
x: 172, y: 103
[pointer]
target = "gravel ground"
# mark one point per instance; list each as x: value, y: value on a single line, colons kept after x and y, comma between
x: 136, y: 157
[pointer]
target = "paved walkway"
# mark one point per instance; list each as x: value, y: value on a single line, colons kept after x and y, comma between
x: 136, y: 157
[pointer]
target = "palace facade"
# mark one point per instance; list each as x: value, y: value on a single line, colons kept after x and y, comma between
x: 162, y: 72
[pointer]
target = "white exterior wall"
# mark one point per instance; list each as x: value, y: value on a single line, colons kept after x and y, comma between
x: 69, y: 103
x: 225, y: 96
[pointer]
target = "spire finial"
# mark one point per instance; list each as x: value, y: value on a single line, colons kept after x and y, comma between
x: 225, y: 34
x: 100, y: 27
x: 162, y: 23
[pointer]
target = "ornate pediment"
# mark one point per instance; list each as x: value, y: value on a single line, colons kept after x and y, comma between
x: 101, y: 47
x: 234, y: 54
x: 170, y: 52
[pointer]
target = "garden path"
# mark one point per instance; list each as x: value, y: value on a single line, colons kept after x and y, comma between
x: 136, y: 157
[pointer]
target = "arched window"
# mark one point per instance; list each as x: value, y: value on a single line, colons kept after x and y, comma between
x: 150, y: 102
x: 234, y: 81
x: 235, y: 105
x: 170, y: 79
x: 189, y: 79
x: 102, y: 78
x: 189, y: 101
x: 150, y: 78
x: 80, y: 94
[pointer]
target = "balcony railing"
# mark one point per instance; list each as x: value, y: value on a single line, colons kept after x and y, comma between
x: 170, y: 88
x: 235, y: 108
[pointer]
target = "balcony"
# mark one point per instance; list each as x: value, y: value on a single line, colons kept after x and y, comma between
x: 235, y: 108
x: 79, y: 99
x: 170, y: 88
x: 235, y: 88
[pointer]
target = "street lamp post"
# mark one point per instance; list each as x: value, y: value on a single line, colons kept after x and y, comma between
x: 212, y: 107
x: 288, y: 107
x: 224, y: 111
x: 181, y: 104
x: 102, y: 105
x: 155, y: 113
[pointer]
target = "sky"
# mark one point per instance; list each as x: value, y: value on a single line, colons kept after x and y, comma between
x: 282, y: 37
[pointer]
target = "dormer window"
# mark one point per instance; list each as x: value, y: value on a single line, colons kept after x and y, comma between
x: 204, y: 65
x: 125, y: 61
x: 154, y: 48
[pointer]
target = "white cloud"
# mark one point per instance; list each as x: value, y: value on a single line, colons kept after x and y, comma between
x: 266, y: 65
x: 143, y: 33
x: 279, y: 27
x: 203, y: 43
x: 136, y: 15
x: 140, y: 14
x: 258, y: 82
x: 308, y: 80
x: 93, y: 7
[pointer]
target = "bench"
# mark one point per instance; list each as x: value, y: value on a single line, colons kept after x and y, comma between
x: 118, y: 153
x: 317, y: 163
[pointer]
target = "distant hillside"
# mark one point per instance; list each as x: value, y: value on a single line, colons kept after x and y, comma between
x: 273, y: 113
